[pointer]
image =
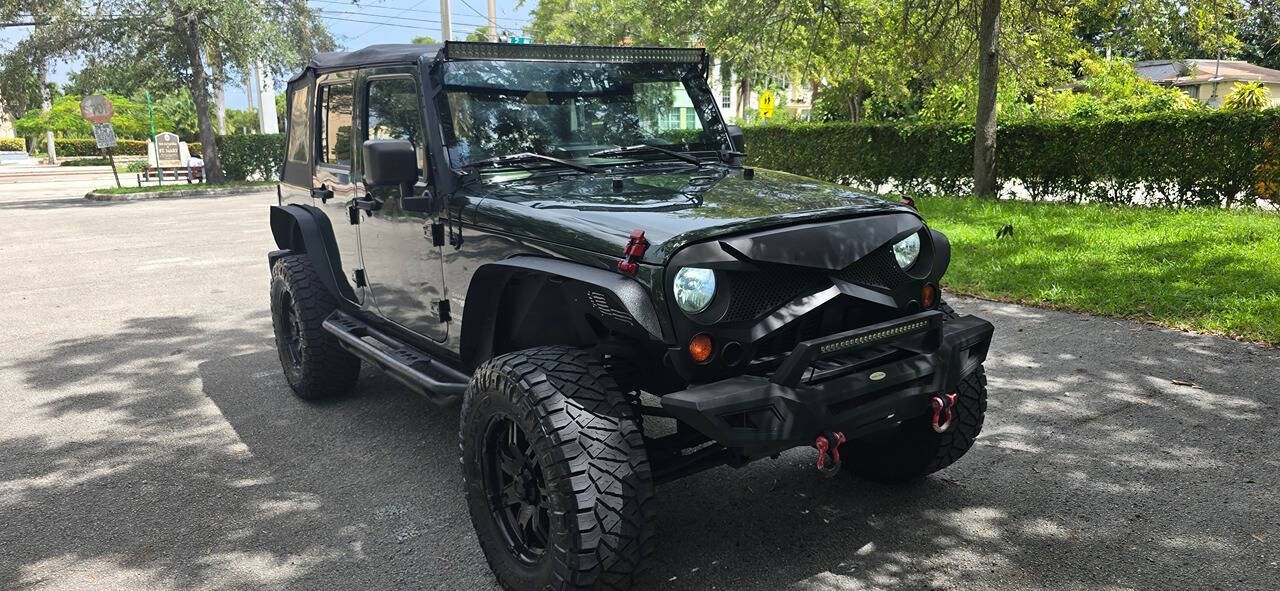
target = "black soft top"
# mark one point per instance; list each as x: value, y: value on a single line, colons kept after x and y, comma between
x: 373, y: 55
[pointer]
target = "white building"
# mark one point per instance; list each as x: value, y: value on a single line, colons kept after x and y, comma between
x: 794, y: 95
x: 1209, y: 81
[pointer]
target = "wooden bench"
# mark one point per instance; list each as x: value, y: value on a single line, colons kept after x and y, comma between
x: 152, y: 174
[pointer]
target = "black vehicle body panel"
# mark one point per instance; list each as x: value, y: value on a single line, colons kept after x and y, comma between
x: 530, y: 258
x: 675, y: 207
x: 873, y: 387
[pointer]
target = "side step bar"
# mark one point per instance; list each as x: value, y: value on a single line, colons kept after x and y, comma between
x: 439, y: 383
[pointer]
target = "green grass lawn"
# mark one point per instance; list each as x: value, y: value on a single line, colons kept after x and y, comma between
x: 1207, y: 270
x: 181, y: 185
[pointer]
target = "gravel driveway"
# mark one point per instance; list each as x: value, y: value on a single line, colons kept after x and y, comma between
x: 148, y: 440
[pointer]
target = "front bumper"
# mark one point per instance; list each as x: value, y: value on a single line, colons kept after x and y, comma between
x: 855, y: 381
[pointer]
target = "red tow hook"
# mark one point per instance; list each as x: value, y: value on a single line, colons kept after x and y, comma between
x: 942, y: 411
x: 829, y: 444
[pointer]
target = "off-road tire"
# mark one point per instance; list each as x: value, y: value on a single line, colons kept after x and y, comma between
x: 913, y: 449
x: 588, y: 445
x: 315, y: 365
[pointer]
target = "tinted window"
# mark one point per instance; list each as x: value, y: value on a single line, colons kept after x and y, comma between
x: 334, y: 124
x: 392, y: 112
x: 298, y: 124
x: 572, y: 109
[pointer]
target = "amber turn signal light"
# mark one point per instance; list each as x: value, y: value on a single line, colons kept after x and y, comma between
x: 700, y: 348
x: 928, y: 295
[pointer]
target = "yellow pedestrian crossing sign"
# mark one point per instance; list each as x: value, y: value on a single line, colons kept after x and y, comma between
x: 766, y: 104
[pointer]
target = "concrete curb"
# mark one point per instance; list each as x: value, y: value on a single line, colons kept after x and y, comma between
x: 204, y: 192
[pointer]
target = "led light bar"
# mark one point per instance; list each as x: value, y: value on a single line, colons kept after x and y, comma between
x: 457, y: 50
x: 873, y: 337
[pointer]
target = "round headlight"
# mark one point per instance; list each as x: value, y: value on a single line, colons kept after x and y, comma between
x: 694, y: 288
x: 907, y: 250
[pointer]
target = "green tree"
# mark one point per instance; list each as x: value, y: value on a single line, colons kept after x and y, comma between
x: 176, y: 39
x: 481, y: 33
x: 1247, y: 96
x: 178, y: 108
x: 1260, y: 33
x: 424, y: 40
x: 240, y: 121
x: 64, y: 120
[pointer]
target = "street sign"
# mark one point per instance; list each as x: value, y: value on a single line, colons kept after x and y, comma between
x: 520, y: 40
x: 104, y: 134
x: 96, y: 108
x: 167, y: 150
x: 766, y: 104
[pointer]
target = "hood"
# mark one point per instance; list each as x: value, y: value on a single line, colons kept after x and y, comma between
x: 598, y: 212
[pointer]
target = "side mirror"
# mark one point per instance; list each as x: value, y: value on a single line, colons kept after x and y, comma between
x: 394, y: 163
x: 389, y: 163
x: 737, y: 138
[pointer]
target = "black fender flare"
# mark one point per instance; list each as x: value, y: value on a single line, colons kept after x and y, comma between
x: 305, y: 229
x: 941, y: 254
x: 617, y: 302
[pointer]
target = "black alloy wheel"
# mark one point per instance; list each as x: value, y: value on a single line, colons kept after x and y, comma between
x: 291, y: 329
x: 517, y: 493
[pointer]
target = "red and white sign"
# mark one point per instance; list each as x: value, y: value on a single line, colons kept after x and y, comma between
x: 97, y: 108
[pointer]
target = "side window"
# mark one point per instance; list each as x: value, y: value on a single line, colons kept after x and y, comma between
x: 298, y: 124
x: 334, y: 124
x: 392, y: 112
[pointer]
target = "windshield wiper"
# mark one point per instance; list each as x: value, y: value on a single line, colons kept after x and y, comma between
x: 621, y: 151
x: 531, y: 156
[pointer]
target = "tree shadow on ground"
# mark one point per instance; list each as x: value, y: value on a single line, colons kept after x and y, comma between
x: 171, y: 454
x: 1095, y: 470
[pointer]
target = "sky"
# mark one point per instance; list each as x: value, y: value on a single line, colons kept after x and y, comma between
x: 355, y: 25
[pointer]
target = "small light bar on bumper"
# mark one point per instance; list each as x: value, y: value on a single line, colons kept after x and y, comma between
x: 894, y: 381
x: 454, y: 50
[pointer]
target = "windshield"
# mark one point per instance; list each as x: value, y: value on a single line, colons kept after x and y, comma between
x: 569, y: 110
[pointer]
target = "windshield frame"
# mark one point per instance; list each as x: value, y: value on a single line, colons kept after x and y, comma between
x: 693, y: 78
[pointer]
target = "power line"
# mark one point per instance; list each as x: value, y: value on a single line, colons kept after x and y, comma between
x: 348, y: 13
x: 375, y: 27
x: 364, y: 10
x: 483, y: 16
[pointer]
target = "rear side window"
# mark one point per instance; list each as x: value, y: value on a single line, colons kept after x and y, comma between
x: 334, y: 124
x: 298, y: 124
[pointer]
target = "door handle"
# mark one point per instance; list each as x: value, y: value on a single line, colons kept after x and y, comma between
x: 322, y: 194
x: 368, y: 204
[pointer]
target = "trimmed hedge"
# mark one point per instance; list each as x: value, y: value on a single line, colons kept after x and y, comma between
x: 89, y: 147
x: 1216, y: 158
x: 86, y: 162
x: 251, y: 157
x: 12, y: 144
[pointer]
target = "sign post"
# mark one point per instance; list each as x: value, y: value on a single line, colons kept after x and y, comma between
x: 97, y: 109
x: 153, y: 136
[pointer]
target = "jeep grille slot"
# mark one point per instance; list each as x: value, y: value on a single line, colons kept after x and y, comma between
x: 755, y: 294
x: 877, y: 269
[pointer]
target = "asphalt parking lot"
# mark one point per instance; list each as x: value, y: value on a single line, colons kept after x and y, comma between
x: 148, y: 441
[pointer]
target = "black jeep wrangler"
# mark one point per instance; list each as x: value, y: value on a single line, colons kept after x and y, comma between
x: 564, y: 239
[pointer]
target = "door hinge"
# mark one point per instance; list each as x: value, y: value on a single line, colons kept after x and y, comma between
x: 353, y: 214
x: 437, y: 234
x: 360, y: 279
x: 442, y: 307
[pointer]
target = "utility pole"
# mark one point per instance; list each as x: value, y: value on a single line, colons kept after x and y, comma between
x: 266, y: 101
x: 42, y: 75
x: 446, y: 32
x: 493, y: 21
x: 248, y: 87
